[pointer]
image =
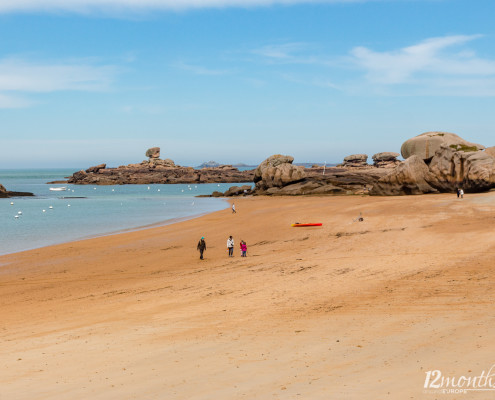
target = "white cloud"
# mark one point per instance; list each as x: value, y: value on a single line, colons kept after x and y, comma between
x: 428, y: 59
x: 111, y: 6
x: 21, y: 76
x: 24, y: 76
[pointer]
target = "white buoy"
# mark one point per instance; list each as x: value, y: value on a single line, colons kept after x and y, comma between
x: 113, y: 190
x: 68, y: 205
x: 16, y: 216
x: 182, y: 190
x: 94, y: 188
x: 190, y: 188
x: 19, y: 212
x: 44, y: 210
x: 148, y: 188
x: 158, y: 189
x: 11, y: 203
x: 51, y: 207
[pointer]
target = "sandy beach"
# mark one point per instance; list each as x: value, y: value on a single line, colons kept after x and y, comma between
x: 349, y: 310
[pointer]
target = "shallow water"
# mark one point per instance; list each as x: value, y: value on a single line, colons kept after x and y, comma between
x: 54, y: 217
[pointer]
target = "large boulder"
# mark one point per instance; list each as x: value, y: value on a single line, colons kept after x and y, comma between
x: 277, y: 171
x: 409, y: 177
x: 355, y: 161
x: 426, y: 144
x: 168, y: 163
x: 153, y: 152
x: 385, y: 159
x: 96, y: 168
x: 473, y: 171
x: 238, y: 190
x: 490, y: 151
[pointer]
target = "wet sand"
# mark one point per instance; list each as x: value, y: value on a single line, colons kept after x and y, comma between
x: 349, y: 310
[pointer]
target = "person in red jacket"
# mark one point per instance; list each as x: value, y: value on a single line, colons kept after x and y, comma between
x: 243, y: 246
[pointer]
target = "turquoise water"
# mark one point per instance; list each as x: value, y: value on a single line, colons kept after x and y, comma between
x: 102, y: 210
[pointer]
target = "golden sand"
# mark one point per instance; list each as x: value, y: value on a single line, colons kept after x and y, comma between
x: 349, y: 310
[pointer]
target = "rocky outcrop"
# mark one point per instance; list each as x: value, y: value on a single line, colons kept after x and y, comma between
x: 277, y: 171
x: 449, y: 169
x: 355, y: 161
x: 238, y: 191
x: 490, y: 151
x: 426, y: 145
x: 96, y: 168
x: 153, y: 153
x: 276, y: 176
x: 157, y: 171
x: 473, y: 171
x: 4, y: 193
x: 385, y: 159
x: 410, y: 177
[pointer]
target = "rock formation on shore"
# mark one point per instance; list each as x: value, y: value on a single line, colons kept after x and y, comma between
x: 355, y: 161
x: 426, y: 144
x: 452, y: 166
x: 277, y: 176
x: 4, y: 193
x: 386, y: 159
x: 437, y: 162
x: 155, y: 170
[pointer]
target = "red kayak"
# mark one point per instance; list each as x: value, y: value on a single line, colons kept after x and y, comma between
x: 297, y: 224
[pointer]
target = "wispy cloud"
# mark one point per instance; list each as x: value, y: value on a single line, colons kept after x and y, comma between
x: 200, y: 70
x: 435, y: 66
x: 291, y: 53
x: 118, y: 6
x: 428, y: 56
x: 21, y: 77
x: 428, y: 65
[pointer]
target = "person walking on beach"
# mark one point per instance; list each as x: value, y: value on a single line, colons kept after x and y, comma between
x: 458, y: 192
x: 230, y: 246
x: 233, y: 208
x: 243, y: 248
x: 461, y: 192
x: 201, y: 247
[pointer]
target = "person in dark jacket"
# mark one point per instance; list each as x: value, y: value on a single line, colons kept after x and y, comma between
x: 201, y: 247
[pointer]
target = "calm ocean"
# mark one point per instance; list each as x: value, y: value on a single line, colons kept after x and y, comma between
x: 102, y: 210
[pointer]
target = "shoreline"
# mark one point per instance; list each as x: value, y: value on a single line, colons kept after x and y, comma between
x: 349, y: 309
x: 170, y: 221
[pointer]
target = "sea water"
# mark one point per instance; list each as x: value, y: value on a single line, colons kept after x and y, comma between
x: 84, y: 211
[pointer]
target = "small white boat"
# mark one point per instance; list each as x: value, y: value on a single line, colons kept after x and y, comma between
x: 58, y: 189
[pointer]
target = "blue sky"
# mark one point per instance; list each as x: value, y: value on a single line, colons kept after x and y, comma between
x: 90, y: 81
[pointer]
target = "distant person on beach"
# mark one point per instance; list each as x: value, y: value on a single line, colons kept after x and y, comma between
x: 233, y: 208
x: 458, y: 192
x: 201, y: 247
x: 243, y: 248
x: 230, y: 246
x: 461, y: 192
